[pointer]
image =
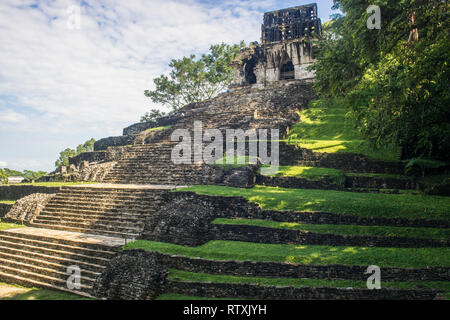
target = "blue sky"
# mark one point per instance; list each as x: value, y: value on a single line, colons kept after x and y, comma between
x: 61, y: 86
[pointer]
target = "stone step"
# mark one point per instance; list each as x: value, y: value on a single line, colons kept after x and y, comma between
x: 94, y: 225
x: 60, y: 238
x: 49, y: 247
x: 125, y: 235
x: 47, y: 268
x: 91, y: 205
x: 91, y: 263
x: 49, y: 283
x: 77, y: 217
x: 111, y: 223
x: 96, y: 212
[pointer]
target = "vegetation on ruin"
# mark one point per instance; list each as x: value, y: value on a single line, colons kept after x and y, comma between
x: 193, y: 79
x: 305, y: 254
x: 295, y: 282
x: 6, y: 226
x: 394, y: 84
x: 67, y: 153
x: 403, y: 205
x: 25, y: 293
x: 325, y: 127
x: 3, y: 177
x: 7, y: 201
x: 356, y: 230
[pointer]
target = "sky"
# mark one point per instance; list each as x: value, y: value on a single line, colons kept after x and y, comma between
x: 64, y: 80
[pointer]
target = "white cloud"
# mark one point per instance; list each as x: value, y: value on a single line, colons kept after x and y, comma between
x: 58, y: 83
x: 3, y: 164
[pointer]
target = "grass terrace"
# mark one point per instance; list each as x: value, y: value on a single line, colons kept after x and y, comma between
x: 305, y: 254
x: 379, y: 231
x: 403, y: 205
x: 324, y: 127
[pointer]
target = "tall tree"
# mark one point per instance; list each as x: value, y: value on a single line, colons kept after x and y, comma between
x: 67, y: 153
x: 396, y: 89
x: 195, y: 80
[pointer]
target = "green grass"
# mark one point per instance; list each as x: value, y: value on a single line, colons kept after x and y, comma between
x: 6, y: 226
x: 295, y: 282
x: 158, y: 129
x: 404, y: 205
x: 238, y: 161
x: 7, y: 201
x: 324, y: 127
x: 42, y: 294
x: 305, y: 254
x: 422, y: 233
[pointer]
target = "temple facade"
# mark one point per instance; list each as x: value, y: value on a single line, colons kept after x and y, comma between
x: 285, y: 50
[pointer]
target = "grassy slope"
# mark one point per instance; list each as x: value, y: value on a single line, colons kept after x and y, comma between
x: 426, y: 233
x: 356, y: 203
x: 325, y: 128
x: 41, y: 294
x: 6, y: 226
x: 203, y: 277
x: 7, y: 201
x: 305, y: 254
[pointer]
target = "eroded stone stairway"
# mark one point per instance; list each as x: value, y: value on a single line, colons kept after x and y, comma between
x: 81, y: 227
x: 36, y: 257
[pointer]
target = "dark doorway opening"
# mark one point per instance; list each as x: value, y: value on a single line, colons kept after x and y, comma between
x: 250, y: 76
x: 287, y: 71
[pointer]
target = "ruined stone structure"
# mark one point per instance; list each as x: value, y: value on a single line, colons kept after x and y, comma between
x: 286, y: 48
x: 87, y: 225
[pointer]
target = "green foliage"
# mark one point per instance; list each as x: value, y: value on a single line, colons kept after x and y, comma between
x: 3, y: 177
x: 13, y: 173
x: 396, y: 89
x: 418, y: 164
x: 29, y: 175
x: 153, y: 115
x: 195, y: 80
x: 67, y: 153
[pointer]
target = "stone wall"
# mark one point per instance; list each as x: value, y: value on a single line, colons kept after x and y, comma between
x: 95, y: 156
x: 104, y: 143
x: 15, y: 192
x: 253, y: 291
x: 28, y: 208
x: 131, y: 275
x: 142, y: 126
x: 140, y: 275
x: 257, y: 234
x: 295, y: 270
x: 4, y: 208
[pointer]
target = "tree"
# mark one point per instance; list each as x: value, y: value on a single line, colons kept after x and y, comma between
x: 3, y: 177
x: 153, y: 115
x: 396, y: 89
x: 195, y: 80
x: 67, y: 153
x: 33, y: 175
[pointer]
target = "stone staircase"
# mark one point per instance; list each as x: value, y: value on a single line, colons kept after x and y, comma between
x: 40, y: 258
x: 116, y: 212
x: 152, y: 164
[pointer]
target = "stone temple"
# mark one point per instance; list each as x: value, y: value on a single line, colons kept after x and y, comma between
x: 85, y: 226
x: 285, y: 51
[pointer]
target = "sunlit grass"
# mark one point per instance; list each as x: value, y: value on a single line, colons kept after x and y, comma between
x: 305, y: 254
x: 379, y: 231
x: 6, y: 226
x: 40, y: 294
x: 324, y: 127
x: 295, y: 282
x: 404, y: 205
